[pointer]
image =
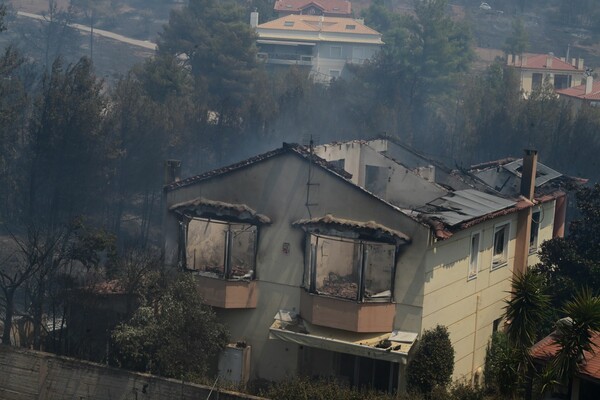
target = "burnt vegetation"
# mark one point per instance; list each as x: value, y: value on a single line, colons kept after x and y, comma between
x: 81, y: 160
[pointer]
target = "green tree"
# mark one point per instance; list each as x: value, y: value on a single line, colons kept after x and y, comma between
x: 501, y: 373
x: 433, y: 362
x: 2, y: 15
x: 175, y: 336
x: 518, y: 41
x: 216, y: 39
x: 420, y: 62
x: 67, y: 144
x: 569, y: 264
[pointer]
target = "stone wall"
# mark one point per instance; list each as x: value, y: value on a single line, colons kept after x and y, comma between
x: 26, y: 374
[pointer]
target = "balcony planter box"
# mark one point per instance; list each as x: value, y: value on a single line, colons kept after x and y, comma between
x: 224, y: 293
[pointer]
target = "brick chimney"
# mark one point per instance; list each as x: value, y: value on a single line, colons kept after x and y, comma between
x: 528, y: 173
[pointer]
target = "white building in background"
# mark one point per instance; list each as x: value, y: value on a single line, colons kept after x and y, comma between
x: 324, y: 45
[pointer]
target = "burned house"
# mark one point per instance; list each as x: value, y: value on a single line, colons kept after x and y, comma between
x: 331, y: 261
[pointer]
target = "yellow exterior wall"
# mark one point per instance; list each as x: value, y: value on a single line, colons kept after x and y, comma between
x: 469, y: 307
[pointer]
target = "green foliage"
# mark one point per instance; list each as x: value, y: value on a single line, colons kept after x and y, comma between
x: 502, y: 360
x: 572, y: 263
x: 573, y: 335
x: 526, y: 310
x: 67, y: 143
x: 420, y: 63
x: 175, y: 336
x: 301, y: 388
x: 518, y: 41
x: 218, y: 42
x: 2, y: 15
x: 433, y: 361
x: 463, y: 391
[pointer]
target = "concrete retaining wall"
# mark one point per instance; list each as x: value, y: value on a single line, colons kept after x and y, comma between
x: 26, y: 375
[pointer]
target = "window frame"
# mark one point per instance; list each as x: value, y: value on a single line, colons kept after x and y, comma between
x: 504, y: 260
x: 228, y: 246
x: 470, y: 276
x: 331, y: 55
x: 536, y: 243
x: 310, y: 282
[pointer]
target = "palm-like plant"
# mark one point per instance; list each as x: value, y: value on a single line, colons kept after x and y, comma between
x: 526, y: 310
x: 573, y: 335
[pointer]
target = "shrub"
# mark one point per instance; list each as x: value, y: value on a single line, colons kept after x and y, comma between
x: 433, y: 362
x: 501, y: 366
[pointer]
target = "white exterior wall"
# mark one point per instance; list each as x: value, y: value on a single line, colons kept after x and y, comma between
x: 333, y: 56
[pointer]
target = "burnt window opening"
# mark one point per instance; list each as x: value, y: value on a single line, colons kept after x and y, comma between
x: 536, y: 80
x: 536, y: 219
x: 351, y: 269
x: 474, y: 257
x: 221, y: 249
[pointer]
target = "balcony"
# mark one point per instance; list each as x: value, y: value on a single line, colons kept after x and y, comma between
x: 285, y: 58
x: 347, y: 314
x: 223, y: 293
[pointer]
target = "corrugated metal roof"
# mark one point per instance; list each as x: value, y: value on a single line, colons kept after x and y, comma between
x: 463, y: 205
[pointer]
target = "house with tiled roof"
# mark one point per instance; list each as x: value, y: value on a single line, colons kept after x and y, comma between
x: 328, y: 8
x: 535, y: 69
x: 585, y: 94
x: 332, y: 260
x: 586, y: 384
x: 322, y: 45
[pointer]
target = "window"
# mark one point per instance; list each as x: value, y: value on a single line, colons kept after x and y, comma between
x: 351, y: 269
x: 535, y: 229
x: 334, y: 73
x: 500, y: 248
x: 351, y: 27
x: 288, y: 23
x: 562, y: 81
x: 474, y: 259
x: 496, y: 325
x: 221, y: 249
x: 335, y: 51
x: 536, y: 81
x: 339, y: 164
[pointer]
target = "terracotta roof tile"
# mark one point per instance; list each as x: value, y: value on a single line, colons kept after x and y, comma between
x: 317, y: 23
x: 539, y: 61
x: 579, y: 92
x: 328, y: 6
x: 546, y: 348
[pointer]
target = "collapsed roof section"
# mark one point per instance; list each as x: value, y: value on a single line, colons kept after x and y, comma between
x: 481, y: 193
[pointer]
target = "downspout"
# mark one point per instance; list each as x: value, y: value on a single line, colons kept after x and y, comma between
x: 528, y: 174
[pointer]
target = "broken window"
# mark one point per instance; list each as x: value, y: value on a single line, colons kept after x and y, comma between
x: 474, y: 259
x: 221, y: 249
x: 500, y: 249
x: 535, y: 229
x: 351, y: 269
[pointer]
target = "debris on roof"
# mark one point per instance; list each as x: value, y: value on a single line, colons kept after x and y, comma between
x: 369, y: 229
x: 204, y: 208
